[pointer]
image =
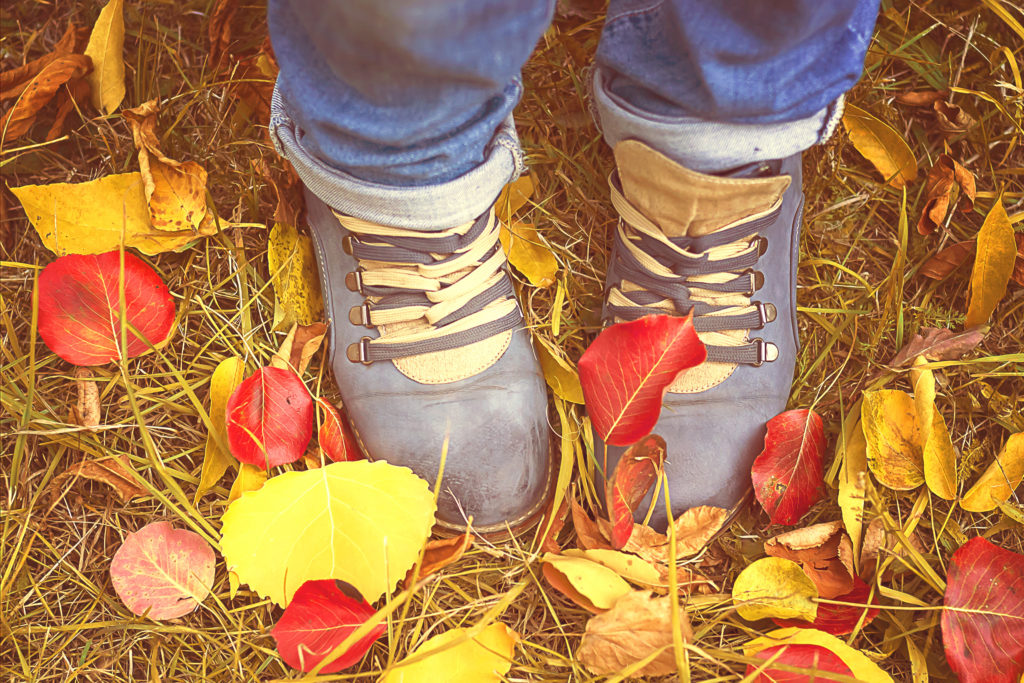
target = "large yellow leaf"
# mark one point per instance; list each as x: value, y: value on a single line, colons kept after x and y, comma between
x: 458, y: 656
x: 862, y: 667
x: 106, y: 49
x: 216, y: 460
x: 775, y: 587
x: 86, y: 218
x: 881, y: 145
x: 853, y: 479
x: 998, y: 482
x: 297, y: 296
x: 529, y: 255
x: 560, y: 375
x: 993, y: 265
x: 595, y: 582
x: 889, y: 420
x: 937, y: 452
x: 360, y: 522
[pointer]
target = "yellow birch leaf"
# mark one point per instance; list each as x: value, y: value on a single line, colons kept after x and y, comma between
x: 86, y: 218
x: 293, y: 271
x: 853, y: 479
x: 361, y: 522
x: 216, y: 460
x: 528, y: 254
x: 249, y: 478
x: 629, y: 567
x: 889, y: 420
x: 993, y: 265
x: 880, y: 144
x: 513, y: 197
x: 775, y: 587
x: 459, y: 656
x: 862, y: 667
x: 997, y: 483
x: 563, y: 379
x: 594, y: 581
x: 106, y: 49
x: 937, y: 453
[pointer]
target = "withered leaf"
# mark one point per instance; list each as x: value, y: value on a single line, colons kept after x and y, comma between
x: 1018, y: 266
x: 551, y: 526
x: 921, y: 98
x: 694, y: 530
x: 947, y: 260
x: 299, y: 347
x: 944, y: 178
x: 950, y: 118
x: 68, y: 99
x: 879, y: 543
x: 823, y: 551
x: 114, y: 472
x: 39, y: 91
x: 588, y: 533
x: 220, y: 28
x: 937, y: 344
x: 14, y: 81
x: 438, y: 554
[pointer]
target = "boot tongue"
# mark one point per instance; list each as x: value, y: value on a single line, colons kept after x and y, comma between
x: 684, y: 202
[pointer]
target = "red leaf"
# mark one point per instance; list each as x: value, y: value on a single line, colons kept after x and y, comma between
x: 321, y: 615
x: 839, y: 620
x: 335, y: 435
x: 789, y: 472
x: 162, y: 572
x: 983, y: 625
x: 270, y: 418
x: 627, y: 369
x: 79, y: 309
x: 814, y: 657
x: 634, y: 476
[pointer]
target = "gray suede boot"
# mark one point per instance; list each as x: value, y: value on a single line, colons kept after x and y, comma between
x: 427, y: 342
x: 725, y: 247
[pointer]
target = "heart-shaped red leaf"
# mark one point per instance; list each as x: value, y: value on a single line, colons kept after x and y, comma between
x: 839, y: 620
x: 634, y: 475
x: 270, y: 418
x: 983, y: 623
x: 627, y: 369
x: 816, y: 658
x: 321, y: 615
x: 162, y: 572
x: 789, y: 472
x: 335, y: 436
x: 79, y: 307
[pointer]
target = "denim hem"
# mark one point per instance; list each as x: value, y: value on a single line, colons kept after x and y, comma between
x: 708, y: 146
x: 421, y: 207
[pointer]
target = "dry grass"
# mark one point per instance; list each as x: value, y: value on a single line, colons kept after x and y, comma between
x: 60, y: 618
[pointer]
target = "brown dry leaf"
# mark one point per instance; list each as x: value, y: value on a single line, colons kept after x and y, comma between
x: 438, y: 554
x: 997, y: 252
x: 549, y: 541
x: 921, y: 98
x: 69, y: 99
x: 114, y: 472
x: 851, y: 448
x: 635, y: 628
x: 38, y: 92
x: 14, y: 81
x: 282, y: 179
x: 649, y: 544
x: 220, y: 28
x: 946, y: 179
x: 588, y: 533
x: 88, y: 405
x: 877, y: 539
x: 696, y: 527
x: 823, y: 551
x: 951, y: 119
x: 881, y: 145
x: 936, y: 343
x: 299, y: 347
x: 947, y: 260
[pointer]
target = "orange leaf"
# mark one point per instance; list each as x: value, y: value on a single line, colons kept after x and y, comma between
x: 115, y: 472
x: 438, y: 554
x: 38, y: 92
x: 943, y: 179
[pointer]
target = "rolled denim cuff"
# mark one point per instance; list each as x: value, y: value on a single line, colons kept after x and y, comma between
x: 709, y: 146
x: 421, y: 207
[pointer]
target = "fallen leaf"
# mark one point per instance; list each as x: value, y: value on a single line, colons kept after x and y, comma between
x: 249, y: 478
x: 79, y: 313
x: 162, y: 572
x: 921, y: 98
x: 889, y: 420
x: 634, y: 475
x: 862, y: 667
x: 624, y: 399
x: 637, y: 627
x: 70, y: 98
x: 629, y: 567
x: 38, y: 92
x: 696, y: 527
x: 335, y: 435
x: 947, y: 260
x: 839, y: 620
x: 88, y: 405
x: 513, y: 197
x: 219, y: 30
x: 937, y: 344
x: 293, y: 271
x: 438, y: 554
x: 88, y: 218
x: 951, y: 119
x: 269, y: 418
x: 853, y: 478
x: 993, y: 265
x: 299, y: 347
x: 823, y: 551
x: 876, y: 539
x: 459, y: 655
x: 597, y: 585
x: 588, y: 533
x: 788, y: 473
x: 983, y: 619
x: 14, y: 81
x: 106, y: 48
x: 226, y: 377
x: 945, y: 178
x: 560, y: 375
x: 774, y: 587
x: 999, y: 481
x: 321, y: 615
x: 527, y: 252
x: 938, y: 456
x: 818, y: 661
x: 886, y: 149
x: 361, y: 522
x: 114, y: 471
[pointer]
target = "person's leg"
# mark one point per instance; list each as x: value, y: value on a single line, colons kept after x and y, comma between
x: 396, y: 114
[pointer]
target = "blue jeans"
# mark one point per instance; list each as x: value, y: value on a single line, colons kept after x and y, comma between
x: 400, y: 111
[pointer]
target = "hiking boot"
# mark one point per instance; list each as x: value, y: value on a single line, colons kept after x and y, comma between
x: 726, y: 247
x: 427, y: 344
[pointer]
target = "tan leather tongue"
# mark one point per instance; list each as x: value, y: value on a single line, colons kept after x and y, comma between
x: 684, y: 202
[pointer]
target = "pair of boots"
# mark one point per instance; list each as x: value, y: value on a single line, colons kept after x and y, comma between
x: 427, y: 340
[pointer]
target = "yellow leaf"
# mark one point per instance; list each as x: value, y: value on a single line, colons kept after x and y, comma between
x: 893, y: 438
x: 528, y: 254
x: 86, y: 218
x: 560, y: 375
x: 853, y: 479
x: 361, y: 522
x: 937, y: 453
x: 594, y: 581
x: 216, y: 460
x: 458, y: 656
x: 106, y: 49
x: 249, y: 478
x: 998, y: 482
x: 293, y: 271
x: 513, y: 197
x: 881, y: 145
x: 862, y: 667
x: 993, y: 265
x: 775, y: 587
x: 629, y: 567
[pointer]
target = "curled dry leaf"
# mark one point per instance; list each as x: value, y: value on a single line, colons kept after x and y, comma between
x: 292, y: 266
x: 162, y: 572
x: 937, y: 453
x: 38, y: 92
x: 947, y: 179
x: 219, y: 29
x: 694, y: 530
x: 335, y: 435
x: 113, y: 471
x: 893, y: 438
x: 951, y: 119
x: 14, y: 81
x: 87, y: 407
x: 588, y: 532
x: 823, y: 551
x: 634, y: 475
x: 438, y: 554
x: 217, y: 457
x: 637, y: 627
x: 863, y: 668
x: 299, y: 346
x: 880, y: 144
x: 997, y: 252
x: 459, y: 656
x: 998, y: 482
x: 880, y: 543
x: 269, y: 418
x: 789, y: 472
x: 591, y: 585
x: 921, y: 98
x: 817, y: 660
x: 840, y: 620
x: 1018, y: 266
x: 774, y: 587
x: 106, y: 48
x: 550, y: 526
x: 937, y: 344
